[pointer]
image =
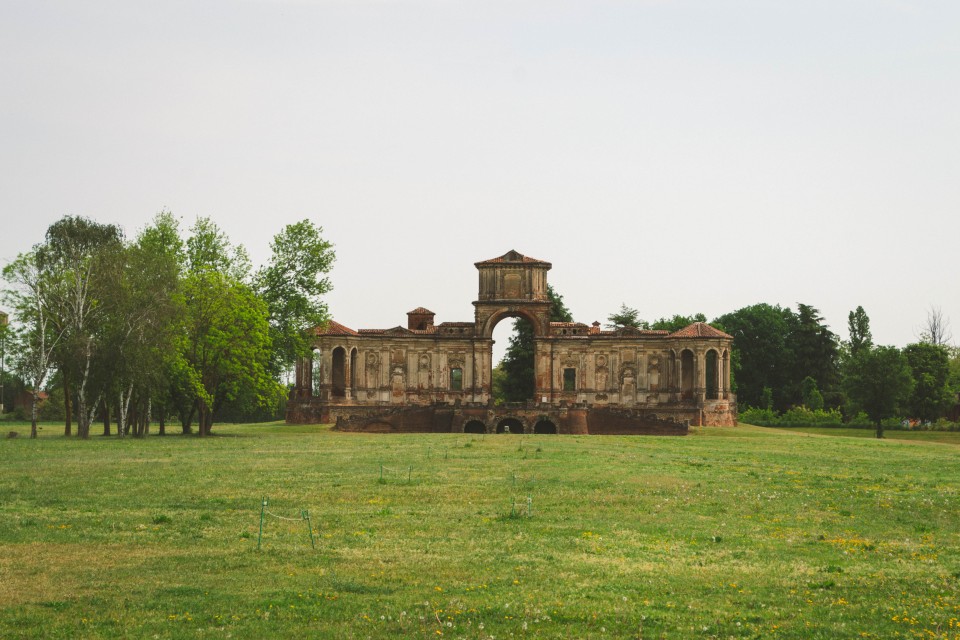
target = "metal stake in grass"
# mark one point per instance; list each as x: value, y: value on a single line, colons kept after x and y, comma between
x: 409, y: 471
x: 529, y: 507
x: 306, y: 516
x: 263, y: 508
x: 381, y: 472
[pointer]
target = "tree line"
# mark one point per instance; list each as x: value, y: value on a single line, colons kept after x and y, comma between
x: 164, y: 324
x: 784, y: 359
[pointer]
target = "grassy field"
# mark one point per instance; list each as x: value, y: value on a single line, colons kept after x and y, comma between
x: 728, y: 533
x: 947, y: 437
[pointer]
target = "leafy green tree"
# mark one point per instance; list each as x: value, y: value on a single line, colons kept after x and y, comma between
x: 227, y: 349
x: 292, y: 285
x: 858, y: 326
x: 4, y: 375
x: 624, y: 318
x: 878, y: 381
x: 146, y: 320
x: 209, y: 250
x: 761, y: 357
x: 766, y: 399
x: 36, y: 341
x: 677, y: 322
x: 517, y: 364
x: 930, y: 366
x: 79, y: 260
x: 815, y: 351
x: 812, y: 398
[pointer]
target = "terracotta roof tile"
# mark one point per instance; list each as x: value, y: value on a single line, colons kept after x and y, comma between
x: 420, y: 311
x: 567, y: 324
x: 334, y: 328
x: 700, y: 330
x: 633, y: 331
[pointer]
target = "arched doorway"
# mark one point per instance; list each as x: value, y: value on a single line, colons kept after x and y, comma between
x: 712, y: 374
x: 509, y: 425
x: 686, y: 374
x: 513, y: 359
x: 474, y: 426
x: 338, y: 372
x: 544, y: 426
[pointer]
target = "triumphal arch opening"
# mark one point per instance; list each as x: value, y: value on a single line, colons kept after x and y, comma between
x: 429, y: 376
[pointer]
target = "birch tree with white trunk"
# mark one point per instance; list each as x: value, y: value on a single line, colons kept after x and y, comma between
x: 37, y: 336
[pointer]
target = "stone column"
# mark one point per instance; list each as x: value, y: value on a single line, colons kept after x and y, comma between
x: 298, y: 377
x: 347, y: 373
x: 719, y: 383
x: 700, y: 375
x: 726, y: 375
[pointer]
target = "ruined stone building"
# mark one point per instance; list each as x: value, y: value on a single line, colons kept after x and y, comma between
x: 428, y: 376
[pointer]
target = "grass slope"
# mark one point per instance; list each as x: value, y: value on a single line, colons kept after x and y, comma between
x: 727, y: 533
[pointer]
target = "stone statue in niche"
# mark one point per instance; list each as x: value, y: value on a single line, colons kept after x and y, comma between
x: 424, y: 374
x: 628, y: 385
x: 397, y: 382
x: 602, y: 379
x: 653, y: 373
x: 602, y: 373
x: 373, y: 370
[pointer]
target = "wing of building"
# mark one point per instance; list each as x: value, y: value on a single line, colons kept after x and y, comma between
x: 429, y: 376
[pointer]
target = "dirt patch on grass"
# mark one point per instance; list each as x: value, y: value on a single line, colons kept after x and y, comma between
x: 41, y: 572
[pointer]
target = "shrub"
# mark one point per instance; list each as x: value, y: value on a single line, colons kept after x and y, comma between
x: 760, y: 417
x: 860, y: 420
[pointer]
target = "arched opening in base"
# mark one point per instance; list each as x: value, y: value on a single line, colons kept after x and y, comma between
x: 474, y: 426
x: 544, y: 426
x: 509, y: 425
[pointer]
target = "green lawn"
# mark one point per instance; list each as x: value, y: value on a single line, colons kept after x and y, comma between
x: 727, y: 533
x: 947, y: 437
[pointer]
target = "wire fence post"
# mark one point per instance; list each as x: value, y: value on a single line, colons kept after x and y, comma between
x: 263, y: 508
x: 306, y: 516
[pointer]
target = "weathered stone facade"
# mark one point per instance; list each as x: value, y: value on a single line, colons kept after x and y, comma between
x: 437, y: 377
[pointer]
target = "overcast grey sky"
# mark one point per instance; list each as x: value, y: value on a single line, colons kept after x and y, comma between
x: 679, y: 156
